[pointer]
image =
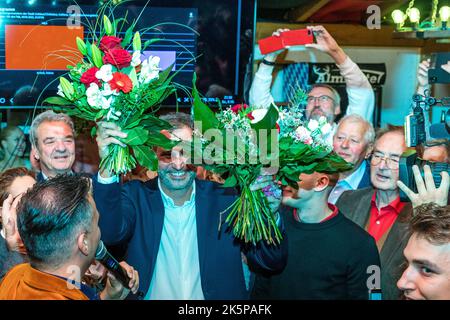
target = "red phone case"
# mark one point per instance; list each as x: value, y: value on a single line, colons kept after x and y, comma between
x: 287, y: 38
x: 297, y: 37
x: 270, y: 44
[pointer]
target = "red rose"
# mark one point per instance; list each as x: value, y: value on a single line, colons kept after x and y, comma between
x: 117, y: 57
x: 88, y: 77
x: 110, y: 42
x: 121, y: 81
x: 238, y: 107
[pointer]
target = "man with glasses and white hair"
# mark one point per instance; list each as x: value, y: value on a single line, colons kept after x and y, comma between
x: 379, y: 210
x: 323, y: 100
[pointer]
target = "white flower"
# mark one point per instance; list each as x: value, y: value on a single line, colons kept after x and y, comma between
x: 105, y: 73
x: 96, y: 99
x: 60, y: 91
x: 258, y: 115
x: 149, y: 70
x: 326, y: 128
x: 106, y: 91
x: 136, y: 59
x: 113, y: 115
x: 313, y: 125
x: 322, y: 120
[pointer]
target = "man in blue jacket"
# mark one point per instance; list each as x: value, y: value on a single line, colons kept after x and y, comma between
x: 170, y: 225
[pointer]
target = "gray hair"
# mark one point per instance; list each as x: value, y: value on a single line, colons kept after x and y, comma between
x: 47, y: 116
x: 337, y: 96
x: 369, y: 135
x: 178, y: 119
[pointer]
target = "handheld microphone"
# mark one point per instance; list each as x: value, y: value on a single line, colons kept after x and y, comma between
x: 109, y: 262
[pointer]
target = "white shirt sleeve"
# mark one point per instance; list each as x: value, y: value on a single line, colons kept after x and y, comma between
x: 113, y: 179
x: 260, y: 95
x: 361, y: 98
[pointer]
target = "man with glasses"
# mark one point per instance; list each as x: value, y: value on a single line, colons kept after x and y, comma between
x: 379, y: 210
x: 323, y: 100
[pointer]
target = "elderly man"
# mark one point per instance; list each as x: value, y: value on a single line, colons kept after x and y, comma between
x: 58, y: 223
x: 329, y: 255
x: 323, y: 100
x: 52, y: 144
x: 170, y: 225
x: 379, y: 210
x: 353, y: 141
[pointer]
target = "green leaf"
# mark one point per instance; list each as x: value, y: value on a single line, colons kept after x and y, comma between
x: 146, y: 157
x: 230, y: 182
x: 160, y: 140
x: 149, y: 42
x: 202, y: 112
x: 137, y: 46
x: 136, y: 136
x: 81, y: 46
x: 66, y: 87
x: 94, y: 131
x: 59, y: 101
x: 128, y: 36
x: 108, y: 26
x: 96, y: 56
x: 131, y: 72
x: 269, y: 121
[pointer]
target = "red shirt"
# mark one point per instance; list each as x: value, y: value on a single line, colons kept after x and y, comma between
x: 331, y: 216
x: 380, y: 221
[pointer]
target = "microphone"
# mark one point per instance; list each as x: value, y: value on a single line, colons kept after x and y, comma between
x: 439, y: 131
x: 109, y: 262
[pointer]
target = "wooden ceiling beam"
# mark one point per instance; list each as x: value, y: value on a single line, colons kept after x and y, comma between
x: 356, y: 35
x: 302, y: 13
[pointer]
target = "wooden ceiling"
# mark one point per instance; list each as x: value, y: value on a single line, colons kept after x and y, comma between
x: 333, y: 11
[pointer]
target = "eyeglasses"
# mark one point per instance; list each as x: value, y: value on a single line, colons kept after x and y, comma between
x: 391, y: 163
x: 322, y: 99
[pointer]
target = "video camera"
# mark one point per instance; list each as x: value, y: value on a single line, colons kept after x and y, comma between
x: 418, y: 130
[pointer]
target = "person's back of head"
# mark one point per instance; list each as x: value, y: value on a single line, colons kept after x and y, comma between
x: 57, y: 222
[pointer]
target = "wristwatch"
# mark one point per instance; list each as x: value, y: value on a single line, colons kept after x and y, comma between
x: 268, y: 63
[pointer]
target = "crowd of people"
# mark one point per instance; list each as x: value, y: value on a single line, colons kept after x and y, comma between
x: 336, y: 227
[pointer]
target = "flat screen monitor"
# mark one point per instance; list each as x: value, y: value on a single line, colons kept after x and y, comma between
x: 37, y: 42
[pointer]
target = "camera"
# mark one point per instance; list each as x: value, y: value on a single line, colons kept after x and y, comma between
x: 419, y: 131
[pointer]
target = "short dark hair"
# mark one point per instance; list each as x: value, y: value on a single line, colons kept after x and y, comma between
x: 432, y: 222
x: 49, y: 217
x: 178, y: 120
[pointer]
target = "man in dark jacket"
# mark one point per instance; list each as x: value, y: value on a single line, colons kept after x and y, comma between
x: 170, y: 225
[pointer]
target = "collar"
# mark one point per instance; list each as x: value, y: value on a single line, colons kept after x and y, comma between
x: 168, y: 201
x: 395, y: 204
x: 331, y: 216
x: 46, y: 178
x: 355, y: 178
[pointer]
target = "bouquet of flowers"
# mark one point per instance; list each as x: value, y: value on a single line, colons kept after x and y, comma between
x: 303, y: 147
x: 112, y: 84
x: 233, y: 144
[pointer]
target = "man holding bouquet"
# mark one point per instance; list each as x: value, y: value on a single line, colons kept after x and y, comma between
x: 171, y: 224
x: 329, y: 255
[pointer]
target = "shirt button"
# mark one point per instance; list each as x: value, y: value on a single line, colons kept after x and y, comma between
x: 378, y: 222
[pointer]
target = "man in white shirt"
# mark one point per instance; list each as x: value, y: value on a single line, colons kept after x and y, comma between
x: 170, y: 226
x: 323, y: 100
x: 353, y: 141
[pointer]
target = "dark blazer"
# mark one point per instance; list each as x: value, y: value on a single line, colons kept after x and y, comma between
x: 133, y: 213
x: 365, y: 180
x: 356, y: 206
